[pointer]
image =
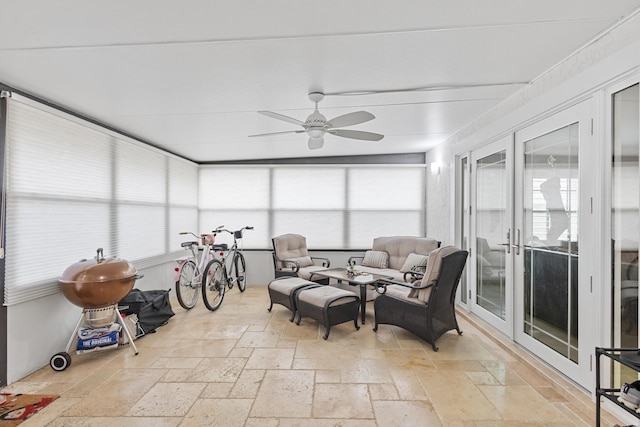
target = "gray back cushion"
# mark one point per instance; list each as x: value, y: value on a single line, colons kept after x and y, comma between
x: 288, y: 246
x: 399, y: 248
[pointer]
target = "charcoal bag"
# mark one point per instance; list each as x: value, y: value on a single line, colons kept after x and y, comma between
x: 153, y: 308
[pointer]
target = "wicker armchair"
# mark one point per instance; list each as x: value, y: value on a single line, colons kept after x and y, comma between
x: 291, y: 258
x: 427, y: 307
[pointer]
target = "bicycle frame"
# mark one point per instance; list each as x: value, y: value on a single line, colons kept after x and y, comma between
x: 201, y: 261
x: 226, y: 258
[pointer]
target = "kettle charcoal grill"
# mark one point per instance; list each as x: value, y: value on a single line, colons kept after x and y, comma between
x: 96, y: 285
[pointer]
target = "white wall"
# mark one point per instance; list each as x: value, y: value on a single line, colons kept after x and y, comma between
x: 439, y: 190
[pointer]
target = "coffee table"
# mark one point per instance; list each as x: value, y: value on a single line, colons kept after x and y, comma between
x: 360, y: 279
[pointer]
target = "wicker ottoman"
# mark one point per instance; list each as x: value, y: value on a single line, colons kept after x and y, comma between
x: 283, y: 291
x: 328, y: 305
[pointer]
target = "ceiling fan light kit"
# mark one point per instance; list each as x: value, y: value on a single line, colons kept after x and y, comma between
x: 316, y: 125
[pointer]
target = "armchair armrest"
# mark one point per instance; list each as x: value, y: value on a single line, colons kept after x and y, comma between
x: 325, y: 261
x: 416, y: 273
x: 353, y: 260
x: 286, y: 262
x: 386, y: 282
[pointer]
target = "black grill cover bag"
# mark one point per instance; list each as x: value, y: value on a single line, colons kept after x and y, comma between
x: 152, y: 307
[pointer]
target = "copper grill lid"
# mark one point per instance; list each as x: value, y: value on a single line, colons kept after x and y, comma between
x: 98, y: 270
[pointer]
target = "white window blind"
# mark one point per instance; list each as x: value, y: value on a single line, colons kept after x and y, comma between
x: 72, y: 187
x: 235, y: 197
x: 333, y: 206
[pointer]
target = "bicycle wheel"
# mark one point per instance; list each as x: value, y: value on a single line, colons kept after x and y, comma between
x: 186, y: 287
x: 240, y: 271
x: 214, y: 284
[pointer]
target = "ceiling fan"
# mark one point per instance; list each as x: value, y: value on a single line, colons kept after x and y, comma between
x: 317, y: 124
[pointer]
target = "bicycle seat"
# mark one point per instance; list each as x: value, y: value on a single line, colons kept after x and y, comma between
x: 221, y: 247
x: 188, y: 244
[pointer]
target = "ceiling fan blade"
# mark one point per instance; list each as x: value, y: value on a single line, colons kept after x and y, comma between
x: 356, y: 134
x: 351, y: 119
x: 281, y: 117
x: 315, y: 143
x: 278, y: 133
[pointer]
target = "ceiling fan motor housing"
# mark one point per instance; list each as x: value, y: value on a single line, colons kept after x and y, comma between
x: 315, y: 124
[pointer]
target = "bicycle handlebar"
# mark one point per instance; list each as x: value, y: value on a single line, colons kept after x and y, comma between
x: 221, y: 228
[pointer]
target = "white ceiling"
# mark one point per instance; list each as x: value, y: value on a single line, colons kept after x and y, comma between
x: 189, y: 76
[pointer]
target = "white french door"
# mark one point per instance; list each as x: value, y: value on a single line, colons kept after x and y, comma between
x: 554, y: 219
x: 490, y: 275
x: 530, y: 211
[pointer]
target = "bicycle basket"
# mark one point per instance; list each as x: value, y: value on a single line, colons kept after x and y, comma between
x: 208, y: 239
x: 237, y: 234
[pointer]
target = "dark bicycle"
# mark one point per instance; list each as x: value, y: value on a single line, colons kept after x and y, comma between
x: 224, y: 272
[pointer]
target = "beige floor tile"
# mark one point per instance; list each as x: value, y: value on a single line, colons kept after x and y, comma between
x: 217, y: 370
x: 323, y: 363
x: 286, y: 422
x: 327, y: 376
x: 218, y: 331
x: 320, y: 349
x: 408, y: 385
x: 304, y: 331
x: 217, y: 390
x: 503, y: 373
x: 405, y: 414
x: 551, y: 394
x: 259, y: 339
x: 177, y: 362
x: 456, y: 398
x: 245, y: 366
x: 113, y: 422
x: 262, y: 422
x: 218, y: 412
x: 248, y: 384
x: 342, y: 401
x: 383, y: 392
x: 177, y: 375
x: 285, y: 394
x: 483, y: 378
x: 241, y: 352
x: 201, y: 348
x: 167, y: 399
x: 521, y: 403
x: 270, y: 358
x: 408, y: 359
x: 116, y: 396
x: 365, y: 371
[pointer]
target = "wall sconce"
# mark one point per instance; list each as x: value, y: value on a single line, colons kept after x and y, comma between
x: 435, y: 169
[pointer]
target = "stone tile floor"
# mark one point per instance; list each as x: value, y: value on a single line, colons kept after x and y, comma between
x: 245, y: 366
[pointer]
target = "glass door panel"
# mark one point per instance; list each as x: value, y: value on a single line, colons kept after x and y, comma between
x: 625, y: 223
x: 550, y: 232
x: 491, y: 278
x: 463, y: 219
x: 491, y: 226
x: 556, y: 183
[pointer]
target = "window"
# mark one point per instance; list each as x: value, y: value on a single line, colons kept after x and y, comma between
x: 72, y: 187
x: 334, y: 206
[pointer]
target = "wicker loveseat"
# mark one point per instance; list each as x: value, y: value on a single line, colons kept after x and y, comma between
x: 396, y: 256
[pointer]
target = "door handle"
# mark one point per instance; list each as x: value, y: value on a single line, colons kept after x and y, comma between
x: 516, y: 246
x: 508, y: 244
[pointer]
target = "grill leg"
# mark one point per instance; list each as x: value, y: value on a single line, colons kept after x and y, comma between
x: 126, y: 331
x: 75, y: 332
